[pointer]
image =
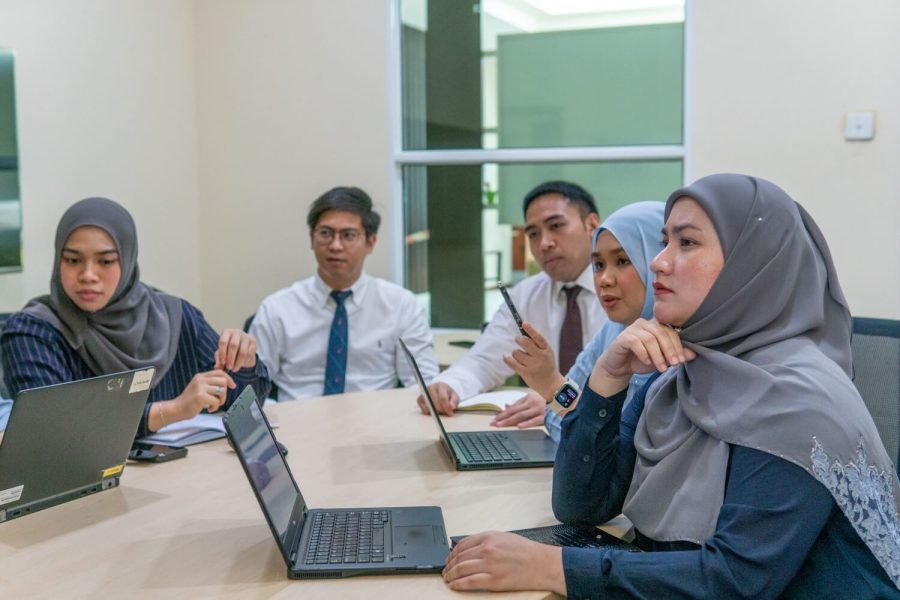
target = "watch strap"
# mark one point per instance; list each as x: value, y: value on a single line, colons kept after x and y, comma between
x: 565, y: 398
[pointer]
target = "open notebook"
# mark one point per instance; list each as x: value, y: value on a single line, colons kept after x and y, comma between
x: 202, y: 428
x: 492, y: 401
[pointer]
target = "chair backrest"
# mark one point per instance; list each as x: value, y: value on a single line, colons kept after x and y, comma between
x: 876, y: 373
x: 248, y: 322
x: 273, y: 392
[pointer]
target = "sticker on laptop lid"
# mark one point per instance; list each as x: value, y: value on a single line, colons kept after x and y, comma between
x: 114, y: 384
x: 11, y: 494
x: 112, y: 471
x: 141, y: 381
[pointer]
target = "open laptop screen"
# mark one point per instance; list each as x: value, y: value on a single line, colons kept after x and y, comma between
x: 265, y: 466
x: 423, y: 387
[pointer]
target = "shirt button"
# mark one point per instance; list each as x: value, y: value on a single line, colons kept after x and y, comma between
x: 601, y: 413
x: 586, y: 458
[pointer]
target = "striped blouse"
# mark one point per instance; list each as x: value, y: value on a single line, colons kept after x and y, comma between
x: 35, y: 354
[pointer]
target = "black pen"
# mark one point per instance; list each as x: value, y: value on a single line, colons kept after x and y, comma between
x: 512, y: 308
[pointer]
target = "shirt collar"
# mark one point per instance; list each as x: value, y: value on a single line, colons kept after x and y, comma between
x: 356, y: 298
x: 585, y: 280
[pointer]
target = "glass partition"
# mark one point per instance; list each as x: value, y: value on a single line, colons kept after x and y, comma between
x: 501, y: 95
x: 530, y: 74
x: 464, y: 225
x: 10, y: 198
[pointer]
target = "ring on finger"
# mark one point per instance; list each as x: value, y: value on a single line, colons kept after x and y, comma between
x: 217, y: 390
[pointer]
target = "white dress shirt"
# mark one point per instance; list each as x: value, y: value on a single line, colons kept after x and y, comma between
x: 292, y: 327
x: 540, y: 301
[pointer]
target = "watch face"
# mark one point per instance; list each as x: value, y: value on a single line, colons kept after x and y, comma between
x: 566, y: 395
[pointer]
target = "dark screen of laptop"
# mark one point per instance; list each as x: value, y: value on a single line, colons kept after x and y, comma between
x: 422, y: 387
x: 268, y: 471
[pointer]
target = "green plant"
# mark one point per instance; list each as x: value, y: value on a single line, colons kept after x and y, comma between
x: 490, y: 196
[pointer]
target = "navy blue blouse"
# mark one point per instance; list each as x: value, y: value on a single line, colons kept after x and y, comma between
x: 779, y: 533
x: 35, y: 354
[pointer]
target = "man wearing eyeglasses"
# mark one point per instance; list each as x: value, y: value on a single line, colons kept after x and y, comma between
x: 337, y: 331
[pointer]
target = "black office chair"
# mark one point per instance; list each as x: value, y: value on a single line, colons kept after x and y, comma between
x: 876, y: 373
x: 273, y: 393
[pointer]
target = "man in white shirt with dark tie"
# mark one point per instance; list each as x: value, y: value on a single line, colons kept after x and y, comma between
x: 560, y: 301
x: 337, y: 331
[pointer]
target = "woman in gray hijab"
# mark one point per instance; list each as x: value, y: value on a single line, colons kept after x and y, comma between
x: 750, y: 466
x: 100, y: 318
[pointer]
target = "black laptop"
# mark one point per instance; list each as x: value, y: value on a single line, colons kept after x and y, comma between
x: 573, y: 536
x: 500, y: 449
x: 69, y: 440
x: 324, y: 543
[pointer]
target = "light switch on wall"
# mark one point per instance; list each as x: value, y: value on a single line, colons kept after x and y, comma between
x: 859, y: 126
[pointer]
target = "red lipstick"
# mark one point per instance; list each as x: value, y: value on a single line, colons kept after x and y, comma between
x: 659, y: 289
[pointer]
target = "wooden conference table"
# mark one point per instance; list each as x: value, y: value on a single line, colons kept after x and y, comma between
x: 192, y: 528
x: 446, y: 344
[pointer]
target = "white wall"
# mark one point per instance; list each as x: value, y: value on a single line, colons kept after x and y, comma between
x: 106, y: 107
x: 292, y: 101
x: 772, y: 81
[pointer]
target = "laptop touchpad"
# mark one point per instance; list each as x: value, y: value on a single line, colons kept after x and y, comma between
x: 413, y: 536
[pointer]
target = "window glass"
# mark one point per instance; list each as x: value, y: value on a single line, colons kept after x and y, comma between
x: 615, y: 86
x: 542, y: 73
x: 536, y: 75
x: 464, y: 225
x: 10, y: 201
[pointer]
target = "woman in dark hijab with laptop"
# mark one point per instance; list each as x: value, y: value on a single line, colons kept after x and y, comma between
x: 750, y: 466
x: 100, y: 318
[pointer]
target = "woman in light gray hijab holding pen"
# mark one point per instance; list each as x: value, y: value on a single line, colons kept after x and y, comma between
x: 754, y: 469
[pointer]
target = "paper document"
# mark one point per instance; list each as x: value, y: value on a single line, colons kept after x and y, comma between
x: 493, y: 401
x: 202, y: 428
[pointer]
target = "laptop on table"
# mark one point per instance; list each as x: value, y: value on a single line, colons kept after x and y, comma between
x: 500, y: 449
x: 69, y: 440
x: 567, y: 535
x: 330, y: 543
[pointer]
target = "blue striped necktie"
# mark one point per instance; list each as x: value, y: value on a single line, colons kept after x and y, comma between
x: 336, y: 362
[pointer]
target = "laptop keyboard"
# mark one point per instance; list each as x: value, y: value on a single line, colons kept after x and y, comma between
x: 576, y: 536
x: 486, y: 447
x: 348, y: 537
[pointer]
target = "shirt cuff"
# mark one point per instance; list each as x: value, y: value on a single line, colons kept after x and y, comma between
x: 582, y: 568
x: 456, y: 384
x: 593, y: 407
x: 259, y: 370
x: 553, y: 423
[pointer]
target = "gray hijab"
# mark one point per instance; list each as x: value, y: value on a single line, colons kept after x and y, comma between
x: 772, y: 339
x: 139, y: 327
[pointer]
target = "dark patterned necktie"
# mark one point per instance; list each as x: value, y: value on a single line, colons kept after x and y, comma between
x: 336, y: 362
x: 570, y: 343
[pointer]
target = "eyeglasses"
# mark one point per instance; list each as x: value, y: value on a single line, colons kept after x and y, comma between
x: 325, y: 235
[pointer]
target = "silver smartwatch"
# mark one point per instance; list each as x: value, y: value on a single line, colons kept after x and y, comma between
x: 565, y: 398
